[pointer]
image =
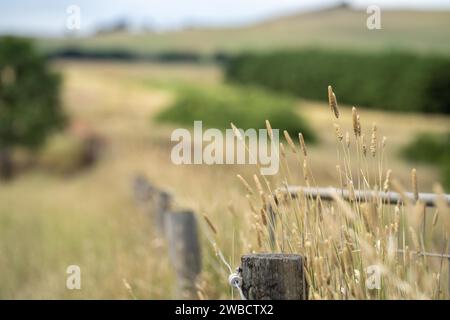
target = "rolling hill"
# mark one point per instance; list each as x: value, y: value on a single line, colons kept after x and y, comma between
x: 422, y: 31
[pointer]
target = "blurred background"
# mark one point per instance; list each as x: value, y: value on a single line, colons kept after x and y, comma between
x: 91, y: 91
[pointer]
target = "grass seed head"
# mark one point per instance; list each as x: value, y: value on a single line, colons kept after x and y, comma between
x: 414, y: 184
x: 269, y: 129
x: 338, y: 131
x: 356, y: 122
x: 302, y: 144
x: 245, y: 183
x: 333, y: 102
x: 364, y: 146
x: 387, y: 181
x: 289, y: 141
x: 373, y: 140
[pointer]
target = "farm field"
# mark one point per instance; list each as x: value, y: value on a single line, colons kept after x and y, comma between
x: 335, y: 28
x: 49, y: 222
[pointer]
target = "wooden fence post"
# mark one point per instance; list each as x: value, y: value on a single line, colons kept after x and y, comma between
x: 142, y: 190
x: 270, y: 276
x: 184, y: 251
x: 162, y: 205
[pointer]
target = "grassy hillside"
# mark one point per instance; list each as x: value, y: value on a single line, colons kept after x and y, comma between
x: 335, y: 28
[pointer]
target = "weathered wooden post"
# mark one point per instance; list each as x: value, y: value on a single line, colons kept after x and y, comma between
x: 142, y: 190
x: 272, y: 276
x: 184, y: 251
x: 162, y: 205
x: 154, y: 202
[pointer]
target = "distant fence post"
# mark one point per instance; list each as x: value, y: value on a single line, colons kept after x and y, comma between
x: 184, y: 251
x: 162, y: 205
x: 270, y: 276
x: 154, y: 202
x: 180, y: 231
x: 142, y: 189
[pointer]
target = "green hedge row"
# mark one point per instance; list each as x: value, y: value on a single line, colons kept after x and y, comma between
x: 391, y: 81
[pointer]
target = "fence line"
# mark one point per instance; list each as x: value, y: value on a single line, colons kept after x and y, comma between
x: 330, y: 194
x: 426, y: 254
x: 261, y: 276
x: 428, y: 199
x: 179, y: 227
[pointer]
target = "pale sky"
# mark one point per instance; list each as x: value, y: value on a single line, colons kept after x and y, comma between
x: 49, y: 16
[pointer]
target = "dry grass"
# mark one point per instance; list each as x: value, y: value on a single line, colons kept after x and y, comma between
x: 343, y: 240
x: 48, y: 223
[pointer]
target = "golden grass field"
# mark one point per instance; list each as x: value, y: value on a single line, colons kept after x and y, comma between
x: 48, y: 222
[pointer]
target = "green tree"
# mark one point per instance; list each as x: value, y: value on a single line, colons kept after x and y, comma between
x: 29, y: 99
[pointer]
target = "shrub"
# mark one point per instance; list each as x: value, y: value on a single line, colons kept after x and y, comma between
x: 245, y: 107
x: 433, y: 149
x: 391, y: 81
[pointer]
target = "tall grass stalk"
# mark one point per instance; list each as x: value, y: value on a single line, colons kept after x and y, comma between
x: 343, y: 241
